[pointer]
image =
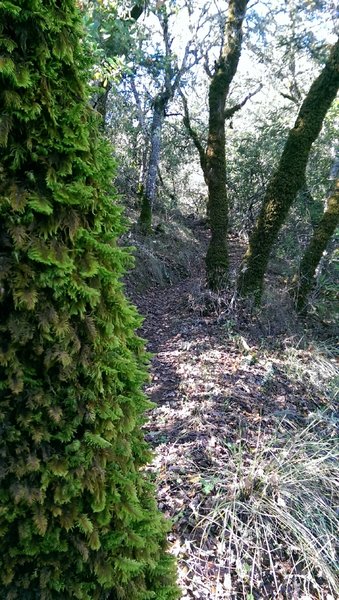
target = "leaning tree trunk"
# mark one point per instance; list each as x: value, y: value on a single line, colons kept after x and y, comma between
x: 316, y: 247
x: 217, y: 254
x: 148, y: 195
x: 289, y: 177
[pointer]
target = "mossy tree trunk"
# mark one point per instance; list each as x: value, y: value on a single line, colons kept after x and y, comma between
x: 316, y: 247
x: 78, y: 516
x: 215, y: 166
x: 102, y: 101
x: 289, y: 177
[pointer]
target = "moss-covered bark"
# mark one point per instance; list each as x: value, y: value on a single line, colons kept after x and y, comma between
x: 78, y: 517
x: 145, y: 218
x: 289, y: 177
x: 194, y: 137
x: 316, y: 247
x: 215, y: 166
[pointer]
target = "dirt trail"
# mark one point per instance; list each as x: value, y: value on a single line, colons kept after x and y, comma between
x: 219, y: 381
x: 212, y: 387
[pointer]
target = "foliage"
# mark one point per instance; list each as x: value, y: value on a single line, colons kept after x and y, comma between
x: 77, y: 517
x: 109, y: 26
x: 288, y: 45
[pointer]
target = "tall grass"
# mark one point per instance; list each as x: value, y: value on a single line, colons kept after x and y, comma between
x: 273, y: 517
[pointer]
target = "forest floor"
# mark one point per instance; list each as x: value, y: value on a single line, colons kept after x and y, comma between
x: 241, y: 400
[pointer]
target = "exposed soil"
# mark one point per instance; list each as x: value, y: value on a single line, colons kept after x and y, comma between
x: 214, y: 382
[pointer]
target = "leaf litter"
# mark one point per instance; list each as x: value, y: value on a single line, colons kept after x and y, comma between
x: 225, y: 410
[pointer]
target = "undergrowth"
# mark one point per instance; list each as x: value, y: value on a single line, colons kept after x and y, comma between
x: 257, y: 518
x: 166, y: 256
x: 273, y: 516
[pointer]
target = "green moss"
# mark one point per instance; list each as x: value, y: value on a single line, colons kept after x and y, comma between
x: 145, y: 218
x: 78, y: 518
x: 289, y: 177
x: 217, y: 265
x: 214, y: 167
x: 315, y: 249
x: 217, y: 254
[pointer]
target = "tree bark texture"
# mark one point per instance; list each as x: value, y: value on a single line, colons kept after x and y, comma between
x: 289, y: 177
x: 148, y: 197
x: 316, y: 247
x: 101, y: 104
x: 217, y: 255
x: 172, y: 74
x: 102, y: 100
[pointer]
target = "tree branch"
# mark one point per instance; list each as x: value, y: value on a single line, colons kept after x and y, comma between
x: 207, y: 67
x: 288, y: 97
x: 193, y: 135
x: 141, y: 116
x: 229, y: 112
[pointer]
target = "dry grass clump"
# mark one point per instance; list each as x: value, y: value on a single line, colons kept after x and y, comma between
x: 315, y: 366
x: 273, y: 517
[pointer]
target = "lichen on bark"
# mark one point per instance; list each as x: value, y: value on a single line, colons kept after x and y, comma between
x: 145, y: 218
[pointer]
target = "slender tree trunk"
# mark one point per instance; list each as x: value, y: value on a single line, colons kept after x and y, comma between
x: 143, y: 143
x: 217, y: 255
x: 316, y: 247
x: 101, y: 104
x: 148, y: 197
x: 289, y: 177
x: 172, y: 76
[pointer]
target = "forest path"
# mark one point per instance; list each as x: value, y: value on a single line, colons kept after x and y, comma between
x: 214, y: 387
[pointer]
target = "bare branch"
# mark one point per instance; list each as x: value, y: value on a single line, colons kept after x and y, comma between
x: 288, y: 97
x: 181, y: 70
x: 141, y: 115
x: 207, y: 67
x: 229, y: 112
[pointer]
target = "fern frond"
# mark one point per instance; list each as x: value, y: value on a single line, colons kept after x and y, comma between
x: 40, y: 521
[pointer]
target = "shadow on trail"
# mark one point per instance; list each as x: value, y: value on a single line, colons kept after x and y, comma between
x: 207, y: 383
x: 220, y: 396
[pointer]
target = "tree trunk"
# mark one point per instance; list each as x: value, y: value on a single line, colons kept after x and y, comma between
x: 316, y: 247
x: 101, y: 104
x: 289, y: 177
x: 78, y: 515
x: 217, y: 255
x: 148, y: 197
